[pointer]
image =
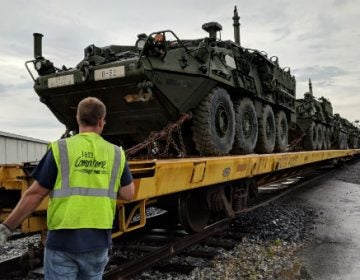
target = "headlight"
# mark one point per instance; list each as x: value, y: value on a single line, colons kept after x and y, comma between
x: 38, y: 65
x: 44, y: 67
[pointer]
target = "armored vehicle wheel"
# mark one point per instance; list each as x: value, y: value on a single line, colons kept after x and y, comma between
x: 325, y: 138
x: 343, y: 141
x: 338, y: 141
x: 310, y: 139
x: 192, y: 211
x: 246, y: 127
x: 328, y: 137
x: 320, y: 136
x: 353, y: 142
x: 324, y: 142
x: 214, y: 124
x: 267, y: 131
x: 282, y: 132
x: 346, y: 141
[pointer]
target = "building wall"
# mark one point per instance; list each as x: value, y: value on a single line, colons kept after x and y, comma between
x: 18, y: 149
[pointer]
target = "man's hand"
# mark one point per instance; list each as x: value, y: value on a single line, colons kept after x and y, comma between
x: 5, y: 232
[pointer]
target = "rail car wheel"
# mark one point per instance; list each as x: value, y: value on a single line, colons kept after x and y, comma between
x: 193, y: 213
x: 214, y: 124
x: 246, y: 127
x: 267, y: 131
x: 310, y: 139
x: 282, y: 132
x: 320, y: 136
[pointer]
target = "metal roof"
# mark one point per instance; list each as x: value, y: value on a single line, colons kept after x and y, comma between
x: 20, y: 137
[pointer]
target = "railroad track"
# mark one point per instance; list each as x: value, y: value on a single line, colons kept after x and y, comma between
x: 150, y: 247
x: 213, y: 235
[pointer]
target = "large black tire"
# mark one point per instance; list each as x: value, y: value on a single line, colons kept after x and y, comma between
x: 346, y: 141
x: 282, y: 132
x: 213, y: 124
x: 328, y: 138
x: 267, y: 131
x: 320, y: 136
x: 339, y: 139
x: 246, y: 127
x: 353, y: 142
x: 310, y: 139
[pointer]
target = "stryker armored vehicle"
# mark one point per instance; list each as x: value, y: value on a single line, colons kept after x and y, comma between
x: 315, y: 120
x: 346, y: 134
x: 353, y: 135
x: 236, y: 100
x: 340, y: 136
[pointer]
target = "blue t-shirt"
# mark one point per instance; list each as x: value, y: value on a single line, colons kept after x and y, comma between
x: 73, y: 240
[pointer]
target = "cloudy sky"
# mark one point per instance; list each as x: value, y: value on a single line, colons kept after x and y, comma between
x: 317, y: 39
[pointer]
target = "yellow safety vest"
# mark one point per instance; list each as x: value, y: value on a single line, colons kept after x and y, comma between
x: 87, y: 183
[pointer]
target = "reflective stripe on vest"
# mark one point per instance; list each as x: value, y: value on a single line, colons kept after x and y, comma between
x: 66, y: 190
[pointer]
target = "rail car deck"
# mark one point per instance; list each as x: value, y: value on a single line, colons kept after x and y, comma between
x: 161, y: 177
x: 157, y: 178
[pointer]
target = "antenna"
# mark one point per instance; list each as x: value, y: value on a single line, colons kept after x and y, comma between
x: 236, y: 25
x: 310, y: 88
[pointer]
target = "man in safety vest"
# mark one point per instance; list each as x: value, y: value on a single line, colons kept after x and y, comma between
x: 83, y: 176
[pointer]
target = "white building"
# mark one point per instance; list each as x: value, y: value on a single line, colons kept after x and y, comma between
x: 17, y: 149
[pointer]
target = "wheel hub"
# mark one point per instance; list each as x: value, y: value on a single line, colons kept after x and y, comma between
x: 221, y: 121
x: 246, y: 125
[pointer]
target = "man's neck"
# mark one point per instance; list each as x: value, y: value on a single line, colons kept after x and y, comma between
x: 84, y: 129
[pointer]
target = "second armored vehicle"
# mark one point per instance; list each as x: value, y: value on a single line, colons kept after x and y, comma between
x: 315, y: 120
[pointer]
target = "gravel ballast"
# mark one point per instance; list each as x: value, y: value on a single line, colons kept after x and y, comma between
x: 272, y: 236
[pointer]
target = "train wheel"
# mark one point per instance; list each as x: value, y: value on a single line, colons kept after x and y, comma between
x: 267, y: 131
x: 282, y: 132
x: 246, y: 127
x: 192, y: 211
x: 320, y: 136
x: 214, y: 124
x: 310, y: 139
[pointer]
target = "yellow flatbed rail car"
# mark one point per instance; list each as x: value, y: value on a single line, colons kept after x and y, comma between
x: 158, y: 178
